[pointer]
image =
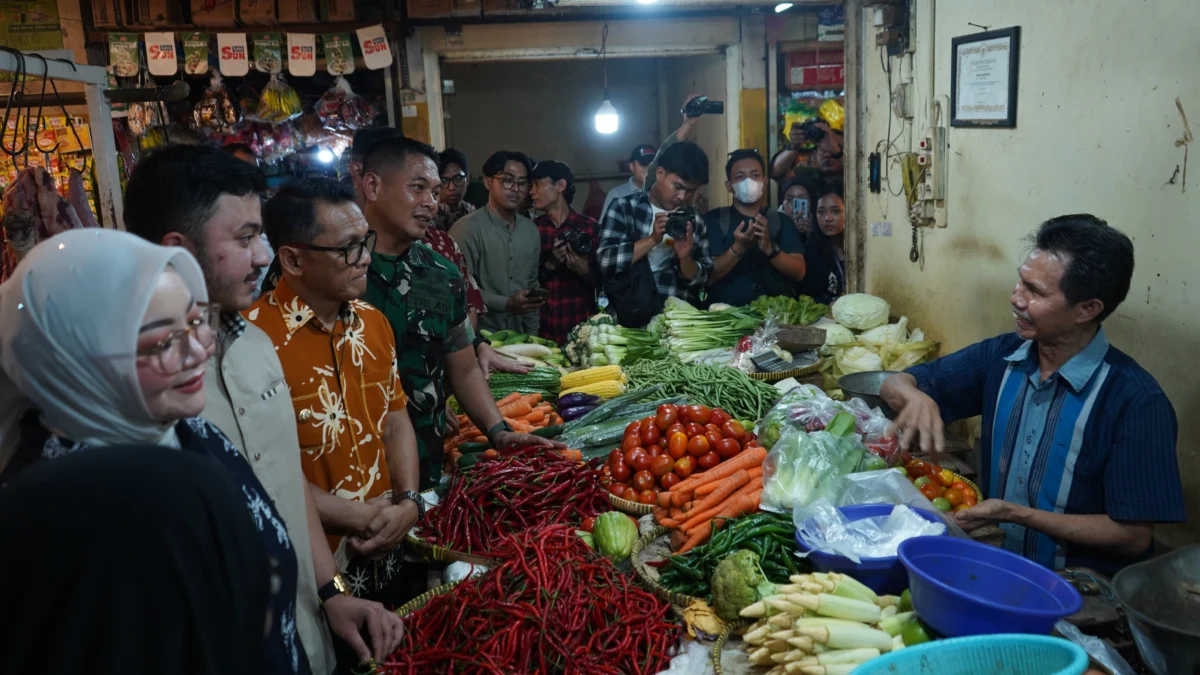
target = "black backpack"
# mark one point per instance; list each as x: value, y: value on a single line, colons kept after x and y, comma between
x: 633, y: 295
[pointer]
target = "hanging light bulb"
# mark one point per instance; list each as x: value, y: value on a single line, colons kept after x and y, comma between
x: 607, y: 119
x: 325, y: 155
x: 783, y: 7
x: 647, y: 2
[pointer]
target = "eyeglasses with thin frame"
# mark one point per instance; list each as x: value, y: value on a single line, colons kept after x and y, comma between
x: 172, y: 352
x: 352, y: 252
x: 510, y: 183
x: 459, y: 179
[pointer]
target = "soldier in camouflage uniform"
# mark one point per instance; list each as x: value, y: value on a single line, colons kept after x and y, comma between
x: 423, y: 296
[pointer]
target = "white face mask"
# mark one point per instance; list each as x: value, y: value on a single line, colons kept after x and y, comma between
x: 747, y: 191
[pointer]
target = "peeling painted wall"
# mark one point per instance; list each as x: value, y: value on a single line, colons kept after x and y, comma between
x: 1096, y: 132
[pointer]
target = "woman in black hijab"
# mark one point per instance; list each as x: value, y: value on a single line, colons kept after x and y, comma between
x: 195, y: 602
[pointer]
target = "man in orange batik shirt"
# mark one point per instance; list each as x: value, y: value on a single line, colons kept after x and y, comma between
x: 339, y: 360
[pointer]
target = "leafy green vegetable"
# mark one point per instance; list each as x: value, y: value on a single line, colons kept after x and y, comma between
x: 738, y: 583
x: 799, y: 311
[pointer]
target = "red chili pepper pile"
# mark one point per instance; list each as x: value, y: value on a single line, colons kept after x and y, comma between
x: 513, y: 493
x: 558, y: 607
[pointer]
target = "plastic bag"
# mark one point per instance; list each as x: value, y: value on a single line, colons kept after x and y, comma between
x: 771, y: 426
x: 1100, y: 651
x: 803, y: 467
x: 215, y: 111
x: 279, y: 102
x: 826, y: 529
x: 763, y: 340
x: 340, y: 109
x: 878, y: 487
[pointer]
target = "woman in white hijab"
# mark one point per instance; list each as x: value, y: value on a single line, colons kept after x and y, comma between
x: 104, y: 338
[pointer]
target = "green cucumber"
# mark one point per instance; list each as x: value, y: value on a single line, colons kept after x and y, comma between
x: 547, y: 432
x: 468, y: 448
x: 469, y: 460
x: 486, y: 333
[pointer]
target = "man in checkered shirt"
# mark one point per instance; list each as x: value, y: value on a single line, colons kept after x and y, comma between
x: 634, y: 227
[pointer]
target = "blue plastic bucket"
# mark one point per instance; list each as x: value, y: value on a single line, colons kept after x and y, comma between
x: 882, y: 575
x: 961, y: 587
x: 991, y: 654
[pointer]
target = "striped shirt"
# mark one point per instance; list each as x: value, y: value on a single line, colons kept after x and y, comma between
x: 1096, y: 437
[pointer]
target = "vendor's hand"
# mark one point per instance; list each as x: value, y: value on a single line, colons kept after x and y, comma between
x: 683, y: 247
x: 660, y: 226
x: 986, y: 512
x: 743, y: 236
x: 490, y: 360
x: 921, y: 418
x: 349, y: 615
x: 386, y: 531
x: 509, y: 439
x: 521, y: 303
x: 453, y: 428
x: 762, y: 234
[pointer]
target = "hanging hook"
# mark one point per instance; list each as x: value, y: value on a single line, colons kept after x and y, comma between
x: 41, y: 106
x: 17, y: 85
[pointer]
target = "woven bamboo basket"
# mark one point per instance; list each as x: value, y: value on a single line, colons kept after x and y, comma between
x: 419, y: 601
x: 783, y: 375
x: 441, y: 553
x: 639, y: 568
x: 632, y: 508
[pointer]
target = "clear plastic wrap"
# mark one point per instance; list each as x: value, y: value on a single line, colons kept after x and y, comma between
x: 763, y: 340
x: 804, y: 467
x: 887, y: 486
x: 827, y: 530
x: 340, y: 109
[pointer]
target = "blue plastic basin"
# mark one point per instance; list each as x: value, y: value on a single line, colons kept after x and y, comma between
x: 990, y: 654
x: 882, y: 575
x: 961, y: 587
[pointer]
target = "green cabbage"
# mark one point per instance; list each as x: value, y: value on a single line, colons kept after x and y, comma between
x: 859, y: 311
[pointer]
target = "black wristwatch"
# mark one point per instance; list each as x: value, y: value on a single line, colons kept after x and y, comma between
x: 775, y: 251
x: 336, y: 586
x: 497, y: 428
x: 414, y: 498
x: 480, y: 340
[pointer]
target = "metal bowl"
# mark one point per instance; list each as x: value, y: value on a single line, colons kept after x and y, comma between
x: 866, y: 386
x: 1161, y: 598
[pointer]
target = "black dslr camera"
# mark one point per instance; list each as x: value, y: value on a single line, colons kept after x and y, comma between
x: 679, y: 219
x: 579, y: 242
x: 702, y: 106
x: 812, y: 133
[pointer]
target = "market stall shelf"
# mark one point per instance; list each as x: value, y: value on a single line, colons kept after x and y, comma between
x: 643, y: 552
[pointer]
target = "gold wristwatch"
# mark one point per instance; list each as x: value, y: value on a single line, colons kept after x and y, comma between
x: 336, y: 586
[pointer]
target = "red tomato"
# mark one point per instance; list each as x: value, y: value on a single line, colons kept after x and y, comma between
x: 700, y: 414
x: 643, y: 480
x: 713, y: 427
x: 962, y: 486
x: 698, y: 446
x: 727, y: 447
x: 969, y: 498
x: 670, y: 480
x: 615, y: 455
x: 713, y: 437
x: 661, y: 466
x: 719, y: 417
x: 955, y: 496
x: 652, y: 435
x: 620, y: 471
x: 641, y: 462
x: 931, y: 490
x: 632, y: 428
x: 676, y: 428
x: 647, y: 497
x: 685, y: 466
x: 632, y: 441
x: 654, y: 450
x: 734, y: 429
x: 677, y: 446
x: 632, y: 454
x: 667, y: 414
x: 588, y: 524
x: 708, y: 461
x: 694, y: 430
x: 617, y: 490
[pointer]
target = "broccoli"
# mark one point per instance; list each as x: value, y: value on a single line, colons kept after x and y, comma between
x: 737, y: 583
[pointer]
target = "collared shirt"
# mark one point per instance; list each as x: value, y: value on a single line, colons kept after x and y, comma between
x: 630, y: 219
x: 422, y: 295
x: 623, y: 190
x: 343, y: 382
x: 504, y: 260
x: 446, y: 217
x: 443, y: 245
x: 1104, y: 443
x: 248, y: 401
x: 572, y: 297
x: 752, y: 275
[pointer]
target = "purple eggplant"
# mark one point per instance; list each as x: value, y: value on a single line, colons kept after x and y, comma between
x: 573, y: 400
x: 576, y: 412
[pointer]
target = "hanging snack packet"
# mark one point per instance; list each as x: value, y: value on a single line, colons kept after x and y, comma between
x: 340, y: 109
x: 215, y: 111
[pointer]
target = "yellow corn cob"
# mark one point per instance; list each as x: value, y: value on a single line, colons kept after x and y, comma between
x: 581, y: 377
x: 604, y: 389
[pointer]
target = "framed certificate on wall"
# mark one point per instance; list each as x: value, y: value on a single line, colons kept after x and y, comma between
x: 984, y: 70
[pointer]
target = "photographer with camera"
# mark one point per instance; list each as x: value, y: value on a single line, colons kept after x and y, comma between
x: 826, y: 162
x: 568, y: 262
x: 502, y: 247
x: 753, y: 253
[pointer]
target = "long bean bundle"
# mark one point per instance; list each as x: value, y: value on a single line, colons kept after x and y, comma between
x: 716, y: 386
x: 553, y: 606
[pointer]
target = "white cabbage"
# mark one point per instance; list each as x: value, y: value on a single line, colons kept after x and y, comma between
x: 890, y: 333
x: 835, y: 335
x: 859, y: 311
x: 858, y: 360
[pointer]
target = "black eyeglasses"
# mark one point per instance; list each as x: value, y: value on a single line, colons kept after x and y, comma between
x: 459, y: 179
x: 512, y: 183
x: 352, y: 252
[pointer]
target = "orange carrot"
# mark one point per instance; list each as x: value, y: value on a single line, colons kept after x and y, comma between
x: 711, y: 505
x: 515, y: 396
x: 659, y: 513
x: 747, y: 460
x: 519, y: 408
x: 479, y: 439
x: 695, y: 538
x: 681, y: 497
x: 756, y: 472
x: 573, y: 455
x: 532, y: 399
x: 664, y: 500
x: 535, y: 416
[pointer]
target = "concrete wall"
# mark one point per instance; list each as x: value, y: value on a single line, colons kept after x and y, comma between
x: 1096, y: 132
x: 685, y: 76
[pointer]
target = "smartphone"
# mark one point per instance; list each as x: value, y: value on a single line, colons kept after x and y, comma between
x: 538, y: 294
x: 799, y: 207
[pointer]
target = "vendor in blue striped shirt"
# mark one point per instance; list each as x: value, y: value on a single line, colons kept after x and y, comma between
x: 1078, y: 447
